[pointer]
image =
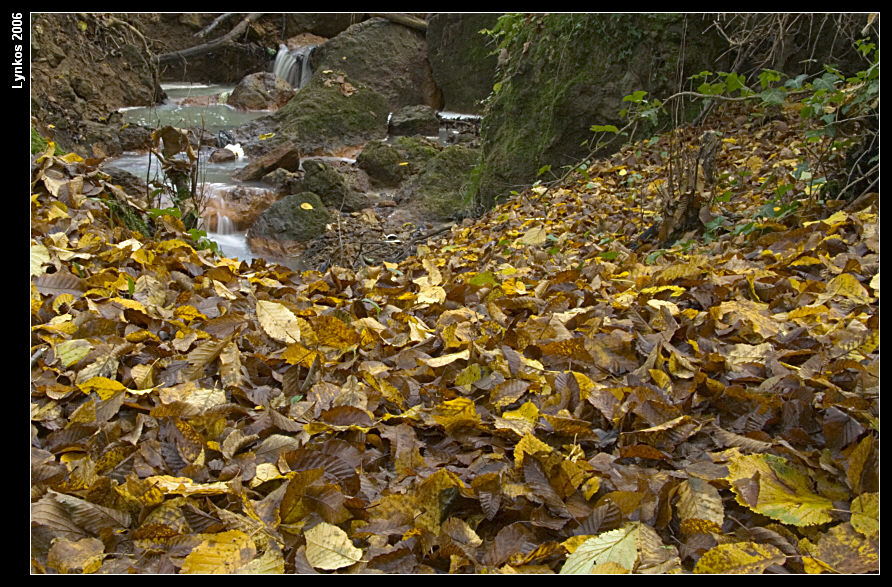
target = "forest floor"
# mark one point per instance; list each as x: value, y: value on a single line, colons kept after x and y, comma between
x: 539, y: 390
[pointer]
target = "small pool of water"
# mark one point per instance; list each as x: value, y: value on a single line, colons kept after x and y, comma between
x: 178, y: 111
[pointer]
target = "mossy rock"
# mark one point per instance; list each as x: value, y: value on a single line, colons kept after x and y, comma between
x: 440, y: 191
x: 567, y: 72
x: 329, y: 113
x: 333, y: 188
x: 296, y: 217
x: 392, y: 163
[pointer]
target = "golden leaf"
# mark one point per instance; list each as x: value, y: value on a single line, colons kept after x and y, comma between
x: 278, y: 321
x: 82, y: 556
x: 783, y: 491
x: 866, y: 513
x: 221, y: 553
x: 739, y: 558
x: 329, y: 547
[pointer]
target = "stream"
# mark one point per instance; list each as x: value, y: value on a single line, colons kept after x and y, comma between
x: 193, y: 105
x: 184, y: 108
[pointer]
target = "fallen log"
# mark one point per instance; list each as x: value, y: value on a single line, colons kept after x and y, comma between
x: 403, y: 19
x: 229, y: 37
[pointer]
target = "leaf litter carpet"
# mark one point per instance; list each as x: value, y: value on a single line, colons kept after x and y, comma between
x: 539, y: 391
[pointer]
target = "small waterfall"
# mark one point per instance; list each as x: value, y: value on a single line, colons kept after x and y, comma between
x: 293, y: 65
x: 215, y: 218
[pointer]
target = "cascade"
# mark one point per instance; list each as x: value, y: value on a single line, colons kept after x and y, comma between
x: 215, y: 218
x: 293, y: 65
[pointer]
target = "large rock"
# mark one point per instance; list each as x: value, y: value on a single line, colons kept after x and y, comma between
x: 243, y: 205
x: 441, y: 191
x: 285, y: 156
x: 460, y: 56
x: 295, y: 218
x: 390, y: 163
x: 566, y: 72
x: 331, y: 115
x: 323, y: 24
x: 260, y: 91
x: 332, y: 188
x: 419, y: 119
x: 387, y: 57
x: 82, y: 69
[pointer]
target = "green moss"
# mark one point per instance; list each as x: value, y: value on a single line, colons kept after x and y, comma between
x: 332, y: 111
x: 392, y: 163
x: 441, y: 190
x: 567, y: 72
x: 296, y: 217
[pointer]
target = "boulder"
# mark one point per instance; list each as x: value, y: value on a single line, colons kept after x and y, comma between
x: 260, y: 91
x: 332, y: 188
x: 221, y: 156
x: 419, y: 119
x: 243, y: 205
x: 390, y: 163
x: 460, y: 56
x: 294, y: 218
x: 566, y: 72
x: 285, y: 156
x: 441, y: 191
x: 387, y: 57
x: 283, y: 181
x: 323, y: 24
x: 328, y: 115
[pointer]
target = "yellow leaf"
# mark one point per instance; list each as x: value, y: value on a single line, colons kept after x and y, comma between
x: 306, y: 206
x: 866, y: 513
x: 783, y: 491
x: 444, y: 360
x: 278, y: 321
x: 431, y: 294
x: 170, y: 485
x: 72, y: 351
x: 40, y: 256
x: 739, y: 558
x: 528, y: 411
x: 847, y: 286
x: 659, y: 377
x: 842, y: 550
x: 618, y: 546
x: 534, y: 236
x: 221, y: 553
x: 329, y: 547
x: 676, y: 290
x: 81, y: 557
x: 103, y: 386
x: 456, y: 413
x: 468, y: 375
x: 528, y: 445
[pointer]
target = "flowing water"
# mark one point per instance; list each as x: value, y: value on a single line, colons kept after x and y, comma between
x: 193, y: 105
x: 187, y: 106
x: 293, y: 65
